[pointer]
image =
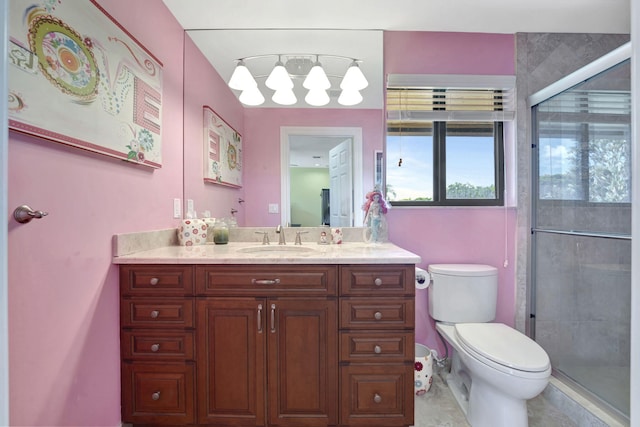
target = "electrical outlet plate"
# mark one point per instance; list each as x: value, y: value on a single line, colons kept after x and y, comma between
x: 273, y: 208
x: 177, y: 208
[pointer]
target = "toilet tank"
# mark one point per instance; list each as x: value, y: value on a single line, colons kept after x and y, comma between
x: 463, y: 293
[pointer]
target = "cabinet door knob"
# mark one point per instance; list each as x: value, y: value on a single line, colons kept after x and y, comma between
x: 377, y: 315
x: 377, y: 349
x: 154, y: 281
x: 154, y: 314
x: 377, y: 398
x: 155, y: 347
x: 378, y: 281
x: 156, y: 396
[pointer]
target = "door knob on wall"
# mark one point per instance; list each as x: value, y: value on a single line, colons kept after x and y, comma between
x: 24, y: 214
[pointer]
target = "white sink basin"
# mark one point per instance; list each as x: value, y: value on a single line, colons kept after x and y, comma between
x: 295, y: 250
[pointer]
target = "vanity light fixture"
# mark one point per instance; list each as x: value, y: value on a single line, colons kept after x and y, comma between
x: 304, y: 67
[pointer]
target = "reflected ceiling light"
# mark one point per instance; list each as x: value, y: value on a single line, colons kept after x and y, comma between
x: 284, y: 97
x: 241, y: 79
x: 279, y: 78
x: 317, y: 78
x: 353, y: 78
x: 251, y: 96
x: 302, y: 67
x: 349, y: 97
x: 317, y: 97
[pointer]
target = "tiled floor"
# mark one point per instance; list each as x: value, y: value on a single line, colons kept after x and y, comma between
x: 438, y: 408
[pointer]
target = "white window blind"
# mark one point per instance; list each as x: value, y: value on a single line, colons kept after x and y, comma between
x: 418, y: 98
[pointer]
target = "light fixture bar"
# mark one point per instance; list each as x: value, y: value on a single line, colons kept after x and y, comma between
x: 299, y: 65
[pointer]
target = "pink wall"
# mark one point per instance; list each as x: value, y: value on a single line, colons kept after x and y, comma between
x: 414, y: 52
x: 63, y: 290
x: 262, y: 151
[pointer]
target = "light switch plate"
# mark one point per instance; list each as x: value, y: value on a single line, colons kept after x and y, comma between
x: 177, y: 208
x: 190, y: 206
x: 273, y: 208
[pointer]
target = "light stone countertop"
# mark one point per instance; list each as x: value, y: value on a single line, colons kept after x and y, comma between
x: 308, y: 253
x: 134, y: 248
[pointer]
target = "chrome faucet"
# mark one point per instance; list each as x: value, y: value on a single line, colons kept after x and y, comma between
x: 280, y: 233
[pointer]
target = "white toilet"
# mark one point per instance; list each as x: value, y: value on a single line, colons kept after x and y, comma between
x: 494, y: 368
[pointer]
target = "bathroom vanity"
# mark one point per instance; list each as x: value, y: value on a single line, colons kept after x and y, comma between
x: 246, y: 335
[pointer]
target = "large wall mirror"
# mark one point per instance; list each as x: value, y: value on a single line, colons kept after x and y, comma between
x: 297, y: 139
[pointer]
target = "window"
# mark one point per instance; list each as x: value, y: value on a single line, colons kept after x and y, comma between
x: 445, y: 163
x: 445, y: 144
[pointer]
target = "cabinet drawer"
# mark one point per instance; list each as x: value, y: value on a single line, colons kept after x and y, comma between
x: 156, y: 280
x: 153, y: 345
x: 376, y: 280
x: 375, y: 347
x: 377, y: 395
x: 158, y: 393
x: 372, y: 313
x: 160, y: 312
x: 263, y: 280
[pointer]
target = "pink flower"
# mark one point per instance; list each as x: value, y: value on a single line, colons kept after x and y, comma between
x: 418, y: 366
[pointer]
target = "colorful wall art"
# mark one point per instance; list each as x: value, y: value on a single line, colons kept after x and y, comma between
x: 77, y: 77
x: 222, y: 151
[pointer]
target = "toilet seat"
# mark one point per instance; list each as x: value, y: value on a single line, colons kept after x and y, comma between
x: 502, y: 347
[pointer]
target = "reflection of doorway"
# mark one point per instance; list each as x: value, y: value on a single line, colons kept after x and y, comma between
x: 309, y: 140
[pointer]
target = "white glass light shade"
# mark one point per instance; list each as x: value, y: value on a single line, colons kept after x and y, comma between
x: 251, y: 96
x: 317, y: 97
x: 241, y: 79
x: 354, y: 79
x: 316, y: 79
x: 350, y: 97
x: 279, y: 78
x: 284, y: 97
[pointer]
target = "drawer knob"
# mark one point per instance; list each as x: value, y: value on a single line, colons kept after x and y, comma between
x: 156, y: 396
x: 377, y: 315
x: 155, y: 347
x: 377, y: 349
x: 377, y: 398
x: 154, y: 281
x: 154, y: 314
x: 378, y: 281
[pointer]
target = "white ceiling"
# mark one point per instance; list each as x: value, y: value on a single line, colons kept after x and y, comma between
x: 354, y: 28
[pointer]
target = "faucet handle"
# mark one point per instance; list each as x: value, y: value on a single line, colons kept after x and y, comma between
x: 265, y: 237
x: 298, y: 239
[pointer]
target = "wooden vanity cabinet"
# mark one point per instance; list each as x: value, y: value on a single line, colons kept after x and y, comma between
x: 377, y: 345
x: 267, y: 345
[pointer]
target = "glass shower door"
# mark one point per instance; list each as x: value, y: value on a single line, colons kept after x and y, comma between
x: 581, y: 253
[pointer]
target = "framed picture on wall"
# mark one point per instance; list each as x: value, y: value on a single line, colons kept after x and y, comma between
x: 222, y: 151
x: 77, y: 77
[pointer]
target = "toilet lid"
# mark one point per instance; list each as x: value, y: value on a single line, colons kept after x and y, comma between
x: 503, y: 345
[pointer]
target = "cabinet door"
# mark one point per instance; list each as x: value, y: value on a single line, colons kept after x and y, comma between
x: 302, y: 362
x: 231, y: 361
